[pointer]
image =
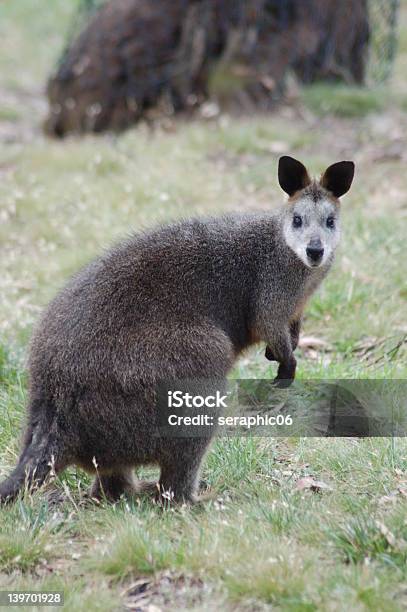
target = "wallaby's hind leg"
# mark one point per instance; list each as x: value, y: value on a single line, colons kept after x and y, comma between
x: 203, y: 356
x: 179, y: 479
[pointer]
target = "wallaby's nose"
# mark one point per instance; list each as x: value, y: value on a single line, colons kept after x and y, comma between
x: 315, y: 251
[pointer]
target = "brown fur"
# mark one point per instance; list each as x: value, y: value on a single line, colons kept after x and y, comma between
x: 316, y: 191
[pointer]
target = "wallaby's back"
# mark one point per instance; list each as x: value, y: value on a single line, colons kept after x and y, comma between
x: 188, y: 274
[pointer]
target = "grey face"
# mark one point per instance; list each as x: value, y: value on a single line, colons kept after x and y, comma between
x: 311, y: 229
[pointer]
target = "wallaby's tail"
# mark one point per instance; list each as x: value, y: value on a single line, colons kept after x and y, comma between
x: 38, y: 459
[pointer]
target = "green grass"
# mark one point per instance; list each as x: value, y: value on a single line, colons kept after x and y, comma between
x: 260, y: 543
x: 343, y: 100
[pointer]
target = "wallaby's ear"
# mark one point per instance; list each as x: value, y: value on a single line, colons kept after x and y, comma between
x: 292, y: 175
x: 338, y: 178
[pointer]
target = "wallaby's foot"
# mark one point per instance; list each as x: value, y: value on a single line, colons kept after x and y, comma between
x: 112, y: 486
x: 168, y: 498
x: 176, y: 493
x: 167, y: 501
x: 285, y: 374
x: 148, y: 487
x: 164, y: 497
x: 179, y: 480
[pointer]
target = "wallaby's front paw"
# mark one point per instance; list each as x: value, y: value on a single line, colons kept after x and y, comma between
x: 269, y: 354
x: 285, y: 374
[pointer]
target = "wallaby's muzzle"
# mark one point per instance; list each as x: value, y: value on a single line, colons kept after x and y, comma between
x: 315, y: 252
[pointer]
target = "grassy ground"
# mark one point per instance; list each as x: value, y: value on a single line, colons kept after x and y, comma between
x: 263, y: 543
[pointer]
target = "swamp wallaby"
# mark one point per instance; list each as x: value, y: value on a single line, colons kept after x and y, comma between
x: 180, y: 302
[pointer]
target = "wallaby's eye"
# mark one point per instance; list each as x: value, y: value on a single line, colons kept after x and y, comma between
x: 297, y: 221
x: 330, y: 222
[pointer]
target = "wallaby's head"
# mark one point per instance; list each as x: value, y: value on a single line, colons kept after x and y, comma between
x: 311, y: 218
